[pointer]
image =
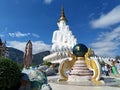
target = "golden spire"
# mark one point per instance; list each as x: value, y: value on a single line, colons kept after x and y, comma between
x: 62, y: 16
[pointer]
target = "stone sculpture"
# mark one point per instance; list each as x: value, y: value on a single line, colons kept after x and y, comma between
x: 80, y: 67
x: 66, y: 65
x: 27, y: 59
x: 62, y: 38
x: 95, y: 67
x: 63, y: 41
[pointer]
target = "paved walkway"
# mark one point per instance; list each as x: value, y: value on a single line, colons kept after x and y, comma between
x: 114, y: 85
x: 73, y: 87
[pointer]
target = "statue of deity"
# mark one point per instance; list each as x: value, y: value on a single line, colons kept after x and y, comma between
x: 27, y: 59
x: 62, y: 41
x: 62, y: 38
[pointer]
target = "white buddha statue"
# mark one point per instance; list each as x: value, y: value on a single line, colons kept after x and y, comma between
x: 62, y: 38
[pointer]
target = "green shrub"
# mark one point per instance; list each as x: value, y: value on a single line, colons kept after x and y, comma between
x: 46, y: 63
x: 21, y: 66
x: 9, y: 74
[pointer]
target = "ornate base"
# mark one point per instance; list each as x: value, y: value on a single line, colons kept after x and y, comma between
x: 79, y: 78
x: 80, y: 72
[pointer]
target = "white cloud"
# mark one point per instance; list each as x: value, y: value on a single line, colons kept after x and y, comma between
x: 38, y: 46
x: 18, y: 34
x: 108, y: 43
x: 48, y: 1
x: 17, y: 44
x: 35, y: 35
x: 2, y: 35
x: 111, y: 18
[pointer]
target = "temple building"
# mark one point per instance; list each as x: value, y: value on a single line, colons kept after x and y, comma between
x: 62, y: 41
x: 3, y: 49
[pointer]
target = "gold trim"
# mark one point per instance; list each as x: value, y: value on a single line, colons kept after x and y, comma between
x: 95, y: 67
x: 66, y: 65
x: 80, y: 58
x: 62, y: 16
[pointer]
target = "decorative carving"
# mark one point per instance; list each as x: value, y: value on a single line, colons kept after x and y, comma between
x: 27, y: 59
x: 62, y: 16
x: 95, y: 67
x: 65, y: 66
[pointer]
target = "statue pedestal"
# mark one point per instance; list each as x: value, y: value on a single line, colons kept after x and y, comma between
x: 80, y: 72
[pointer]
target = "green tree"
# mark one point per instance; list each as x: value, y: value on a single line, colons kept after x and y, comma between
x: 9, y: 74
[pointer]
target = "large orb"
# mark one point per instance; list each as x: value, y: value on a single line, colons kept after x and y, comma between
x: 79, y: 50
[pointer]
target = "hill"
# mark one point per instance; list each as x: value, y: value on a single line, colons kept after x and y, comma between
x: 38, y: 58
x: 17, y: 56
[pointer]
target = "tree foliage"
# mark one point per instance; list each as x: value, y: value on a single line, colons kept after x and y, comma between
x: 9, y: 74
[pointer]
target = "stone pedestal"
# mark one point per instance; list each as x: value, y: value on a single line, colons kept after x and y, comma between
x: 80, y: 72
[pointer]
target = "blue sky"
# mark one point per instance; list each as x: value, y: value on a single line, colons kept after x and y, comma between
x: 95, y: 23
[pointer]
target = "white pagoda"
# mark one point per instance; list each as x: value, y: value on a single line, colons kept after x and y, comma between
x: 63, y: 41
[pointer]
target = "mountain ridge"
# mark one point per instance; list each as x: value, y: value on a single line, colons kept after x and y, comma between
x: 17, y: 55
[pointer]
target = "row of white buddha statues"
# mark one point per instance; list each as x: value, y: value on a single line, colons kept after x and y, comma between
x: 62, y: 41
x: 107, y: 60
x: 63, y: 38
x: 57, y: 57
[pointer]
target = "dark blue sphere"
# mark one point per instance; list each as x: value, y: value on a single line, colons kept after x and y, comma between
x: 79, y: 50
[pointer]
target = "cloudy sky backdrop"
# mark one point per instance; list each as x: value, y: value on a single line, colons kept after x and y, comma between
x: 96, y: 23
